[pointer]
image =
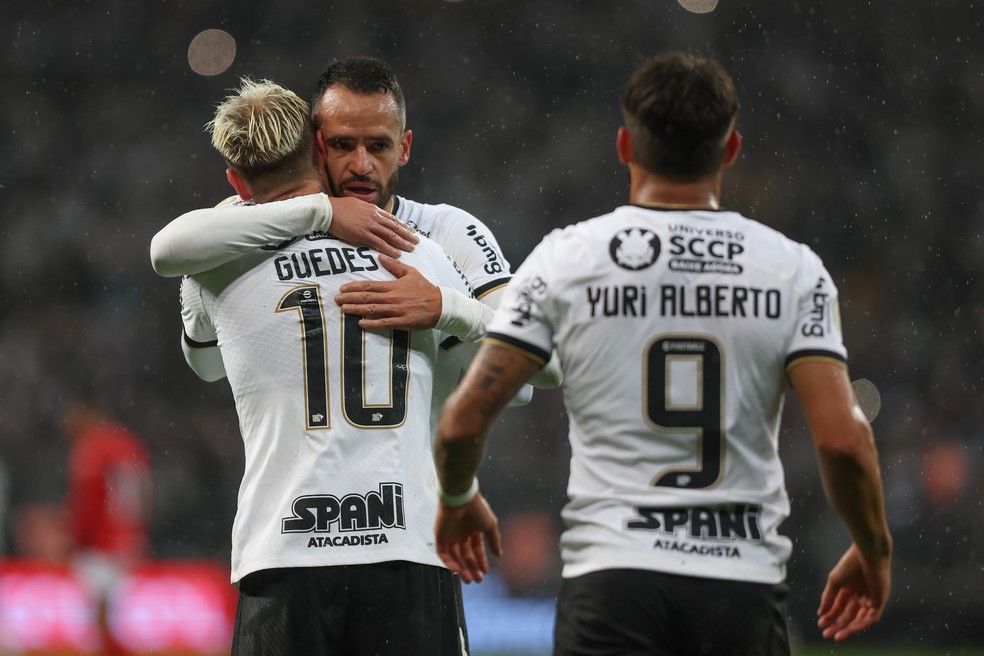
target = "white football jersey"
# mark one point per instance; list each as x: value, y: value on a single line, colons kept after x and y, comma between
x: 466, y: 239
x: 335, y: 420
x: 675, y: 330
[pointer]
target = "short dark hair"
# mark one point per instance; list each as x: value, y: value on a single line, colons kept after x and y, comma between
x: 678, y: 109
x: 363, y: 75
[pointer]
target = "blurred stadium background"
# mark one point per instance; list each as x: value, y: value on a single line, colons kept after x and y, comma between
x: 862, y: 126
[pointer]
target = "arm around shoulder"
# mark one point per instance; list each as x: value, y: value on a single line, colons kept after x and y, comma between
x: 203, y: 239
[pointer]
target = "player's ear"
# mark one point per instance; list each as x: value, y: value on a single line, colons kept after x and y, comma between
x: 732, y: 147
x: 405, y: 147
x: 238, y: 184
x: 623, y: 144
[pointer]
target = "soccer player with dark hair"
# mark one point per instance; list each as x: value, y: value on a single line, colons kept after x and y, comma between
x: 678, y: 327
x: 332, y: 549
x: 359, y: 112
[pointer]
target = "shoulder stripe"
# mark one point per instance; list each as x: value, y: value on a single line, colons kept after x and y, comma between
x: 814, y: 355
x: 534, y: 353
x: 491, y: 286
x: 193, y: 344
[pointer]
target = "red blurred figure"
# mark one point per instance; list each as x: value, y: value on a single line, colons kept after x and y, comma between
x: 108, y: 504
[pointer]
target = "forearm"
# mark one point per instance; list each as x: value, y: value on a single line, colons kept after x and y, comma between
x: 852, y: 482
x: 494, y: 378
x: 204, y: 239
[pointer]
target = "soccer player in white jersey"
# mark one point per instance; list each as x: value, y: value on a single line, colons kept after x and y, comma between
x: 332, y: 548
x: 360, y: 113
x: 678, y: 326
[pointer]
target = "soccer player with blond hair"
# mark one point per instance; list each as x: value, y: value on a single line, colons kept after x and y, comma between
x: 331, y: 545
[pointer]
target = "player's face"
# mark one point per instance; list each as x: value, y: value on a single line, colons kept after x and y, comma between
x: 364, y: 144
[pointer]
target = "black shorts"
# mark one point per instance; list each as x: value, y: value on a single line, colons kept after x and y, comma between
x: 384, y: 609
x: 628, y: 612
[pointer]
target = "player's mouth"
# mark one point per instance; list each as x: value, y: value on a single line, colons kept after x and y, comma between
x: 364, y: 191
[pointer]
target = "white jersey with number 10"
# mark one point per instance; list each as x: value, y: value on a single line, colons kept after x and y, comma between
x: 336, y: 420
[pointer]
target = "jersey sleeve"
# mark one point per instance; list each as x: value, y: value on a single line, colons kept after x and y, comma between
x: 473, y: 246
x: 199, y: 341
x: 203, y: 239
x: 817, y: 331
x: 523, y: 320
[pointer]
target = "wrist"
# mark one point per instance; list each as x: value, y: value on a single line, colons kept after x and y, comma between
x: 325, y: 222
x: 457, y: 500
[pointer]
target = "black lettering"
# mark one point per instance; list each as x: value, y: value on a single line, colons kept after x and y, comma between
x: 667, y: 301
x: 350, y: 257
x: 738, y: 297
x: 297, y: 259
x: 316, y: 259
x: 594, y: 295
x: 366, y: 253
x: 677, y: 245
x: 756, y: 293
x: 773, y: 303
x: 703, y: 524
x: 703, y: 301
x: 353, y: 516
x: 733, y: 522
x: 674, y: 518
x: 284, y: 272
x: 609, y: 309
x: 720, y: 301
x: 648, y: 519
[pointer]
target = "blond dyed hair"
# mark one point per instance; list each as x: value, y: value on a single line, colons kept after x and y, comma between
x: 259, y: 126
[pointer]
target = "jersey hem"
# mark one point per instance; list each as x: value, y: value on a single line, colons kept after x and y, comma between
x: 318, y: 560
x: 610, y: 559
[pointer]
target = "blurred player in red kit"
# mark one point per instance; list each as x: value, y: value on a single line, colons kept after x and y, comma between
x: 108, y: 502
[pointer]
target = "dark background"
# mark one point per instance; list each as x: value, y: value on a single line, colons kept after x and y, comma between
x: 862, y: 128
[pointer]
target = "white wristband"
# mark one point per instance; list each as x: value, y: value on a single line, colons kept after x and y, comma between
x: 463, y: 317
x: 456, y: 500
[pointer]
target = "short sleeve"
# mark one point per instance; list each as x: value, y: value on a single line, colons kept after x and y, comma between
x: 523, y: 320
x: 817, y: 331
x: 198, y: 329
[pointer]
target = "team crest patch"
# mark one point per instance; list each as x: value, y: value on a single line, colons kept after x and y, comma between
x: 634, y: 249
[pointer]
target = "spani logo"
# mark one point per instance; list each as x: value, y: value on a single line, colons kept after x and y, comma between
x: 634, y: 249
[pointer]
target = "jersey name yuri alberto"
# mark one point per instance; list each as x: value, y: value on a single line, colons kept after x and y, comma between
x: 675, y: 330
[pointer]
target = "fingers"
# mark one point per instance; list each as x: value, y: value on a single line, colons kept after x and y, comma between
x: 393, y: 235
x: 446, y: 555
x: 396, y: 267
x: 495, y: 542
x: 373, y: 286
x: 848, y: 614
x: 461, y: 558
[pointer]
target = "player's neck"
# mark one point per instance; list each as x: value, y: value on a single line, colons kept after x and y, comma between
x: 290, y: 190
x: 649, y: 189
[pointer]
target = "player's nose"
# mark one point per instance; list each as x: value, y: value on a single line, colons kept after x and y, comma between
x: 361, y: 161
